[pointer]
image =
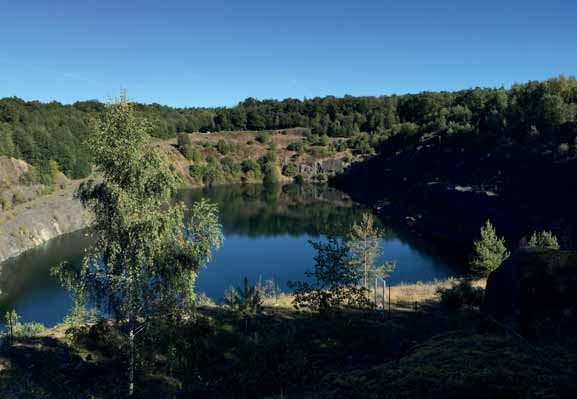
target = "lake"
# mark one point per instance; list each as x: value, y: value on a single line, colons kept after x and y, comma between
x: 267, y: 233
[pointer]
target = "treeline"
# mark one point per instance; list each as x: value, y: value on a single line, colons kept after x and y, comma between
x: 535, y: 112
x: 43, y: 132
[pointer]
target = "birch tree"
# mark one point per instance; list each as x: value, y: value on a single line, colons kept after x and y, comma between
x: 146, y: 254
x: 365, y: 249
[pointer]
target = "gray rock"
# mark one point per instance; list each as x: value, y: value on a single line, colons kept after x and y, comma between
x: 534, y: 291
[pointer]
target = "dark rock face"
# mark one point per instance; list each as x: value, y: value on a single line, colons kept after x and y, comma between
x: 534, y: 291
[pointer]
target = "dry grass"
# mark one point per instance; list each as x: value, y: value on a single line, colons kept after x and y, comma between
x: 402, y: 295
x: 422, y: 292
x: 282, y: 300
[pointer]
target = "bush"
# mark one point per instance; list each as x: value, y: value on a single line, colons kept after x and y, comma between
x: 187, y: 151
x: 14, y: 328
x: 333, y: 284
x: 297, y: 146
x: 252, y: 169
x: 290, y: 170
x: 461, y: 294
x: 224, y: 147
x: 320, y: 151
x: 299, y: 180
x: 269, y: 157
x: 318, y: 140
x: 563, y: 149
x: 272, y: 173
x: 245, y: 301
x: 230, y: 167
x: 264, y: 137
x: 544, y: 240
x: 18, y: 198
x: 5, y: 204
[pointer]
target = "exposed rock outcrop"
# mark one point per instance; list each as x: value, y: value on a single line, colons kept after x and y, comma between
x: 28, y: 215
x: 35, y: 222
x: 328, y: 166
x: 534, y: 290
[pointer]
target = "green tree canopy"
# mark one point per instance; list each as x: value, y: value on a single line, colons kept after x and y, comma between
x: 488, y: 252
x: 544, y: 240
x: 146, y: 255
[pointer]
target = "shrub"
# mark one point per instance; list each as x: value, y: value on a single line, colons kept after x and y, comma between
x: 5, y: 204
x: 360, y: 143
x: 544, y: 240
x: 187, y: 150
x: 224, y: 147
x: 320, y: 151
x: 290, y: 170
x: 201, y: 299
x: 461, y: 294
x: 18, y: 198
x: 272, y: 173
x: 299, y: 179
x: 182, y: 140
x: 340, y: 146
x: 333, y: 284
x: 297, y: 146
x: 14, y: 328
x: 563, y: 149
x: 230, y: 167
x: 245, y: 301
x: 264, y: 137
x: 269, y: 157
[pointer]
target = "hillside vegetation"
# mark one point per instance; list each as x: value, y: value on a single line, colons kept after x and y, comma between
x: 248, y: 156
x: 539, y: 116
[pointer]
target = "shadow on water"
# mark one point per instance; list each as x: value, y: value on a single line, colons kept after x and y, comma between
x: 26, y: 283
x: 266, y: 229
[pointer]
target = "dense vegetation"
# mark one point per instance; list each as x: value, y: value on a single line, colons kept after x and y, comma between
x: 155, y: 338
x: 537, y: 114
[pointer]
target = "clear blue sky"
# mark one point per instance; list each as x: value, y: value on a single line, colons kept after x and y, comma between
x: 216, y: 52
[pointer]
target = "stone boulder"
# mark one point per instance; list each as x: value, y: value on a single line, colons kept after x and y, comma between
x: 534, y: 291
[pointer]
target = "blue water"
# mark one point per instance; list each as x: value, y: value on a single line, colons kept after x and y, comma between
x: 266, y: 237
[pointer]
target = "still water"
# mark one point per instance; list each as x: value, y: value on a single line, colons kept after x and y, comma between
x: 267, y: 233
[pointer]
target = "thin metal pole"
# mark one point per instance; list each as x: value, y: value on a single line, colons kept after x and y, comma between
x: 389, y: 301
x: 376, y: 302
x: 384, y: 288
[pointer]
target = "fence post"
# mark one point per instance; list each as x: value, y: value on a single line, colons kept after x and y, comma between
x: 389, y: 301
x: 376, y: 304
x: 384, y: 288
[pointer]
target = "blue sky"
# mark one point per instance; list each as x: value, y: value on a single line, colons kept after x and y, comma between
x: 211, y: 53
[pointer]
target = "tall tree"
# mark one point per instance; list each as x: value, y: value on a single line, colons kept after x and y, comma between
x: 146, y: 255
x: 365, y: 249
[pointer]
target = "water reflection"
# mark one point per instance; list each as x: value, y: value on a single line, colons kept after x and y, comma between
x: 266, y: 236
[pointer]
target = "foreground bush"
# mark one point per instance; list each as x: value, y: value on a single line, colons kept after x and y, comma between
x: 461, y: 294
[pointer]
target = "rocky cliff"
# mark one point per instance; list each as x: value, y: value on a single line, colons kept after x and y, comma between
x: 30, y: 215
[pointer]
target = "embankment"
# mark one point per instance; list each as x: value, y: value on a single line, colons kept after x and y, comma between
x: 35, y: 222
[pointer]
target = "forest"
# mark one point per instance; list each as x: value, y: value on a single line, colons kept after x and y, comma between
x: 535, y: 115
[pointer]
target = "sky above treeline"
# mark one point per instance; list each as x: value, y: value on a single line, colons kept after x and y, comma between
x: 216, y: 53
